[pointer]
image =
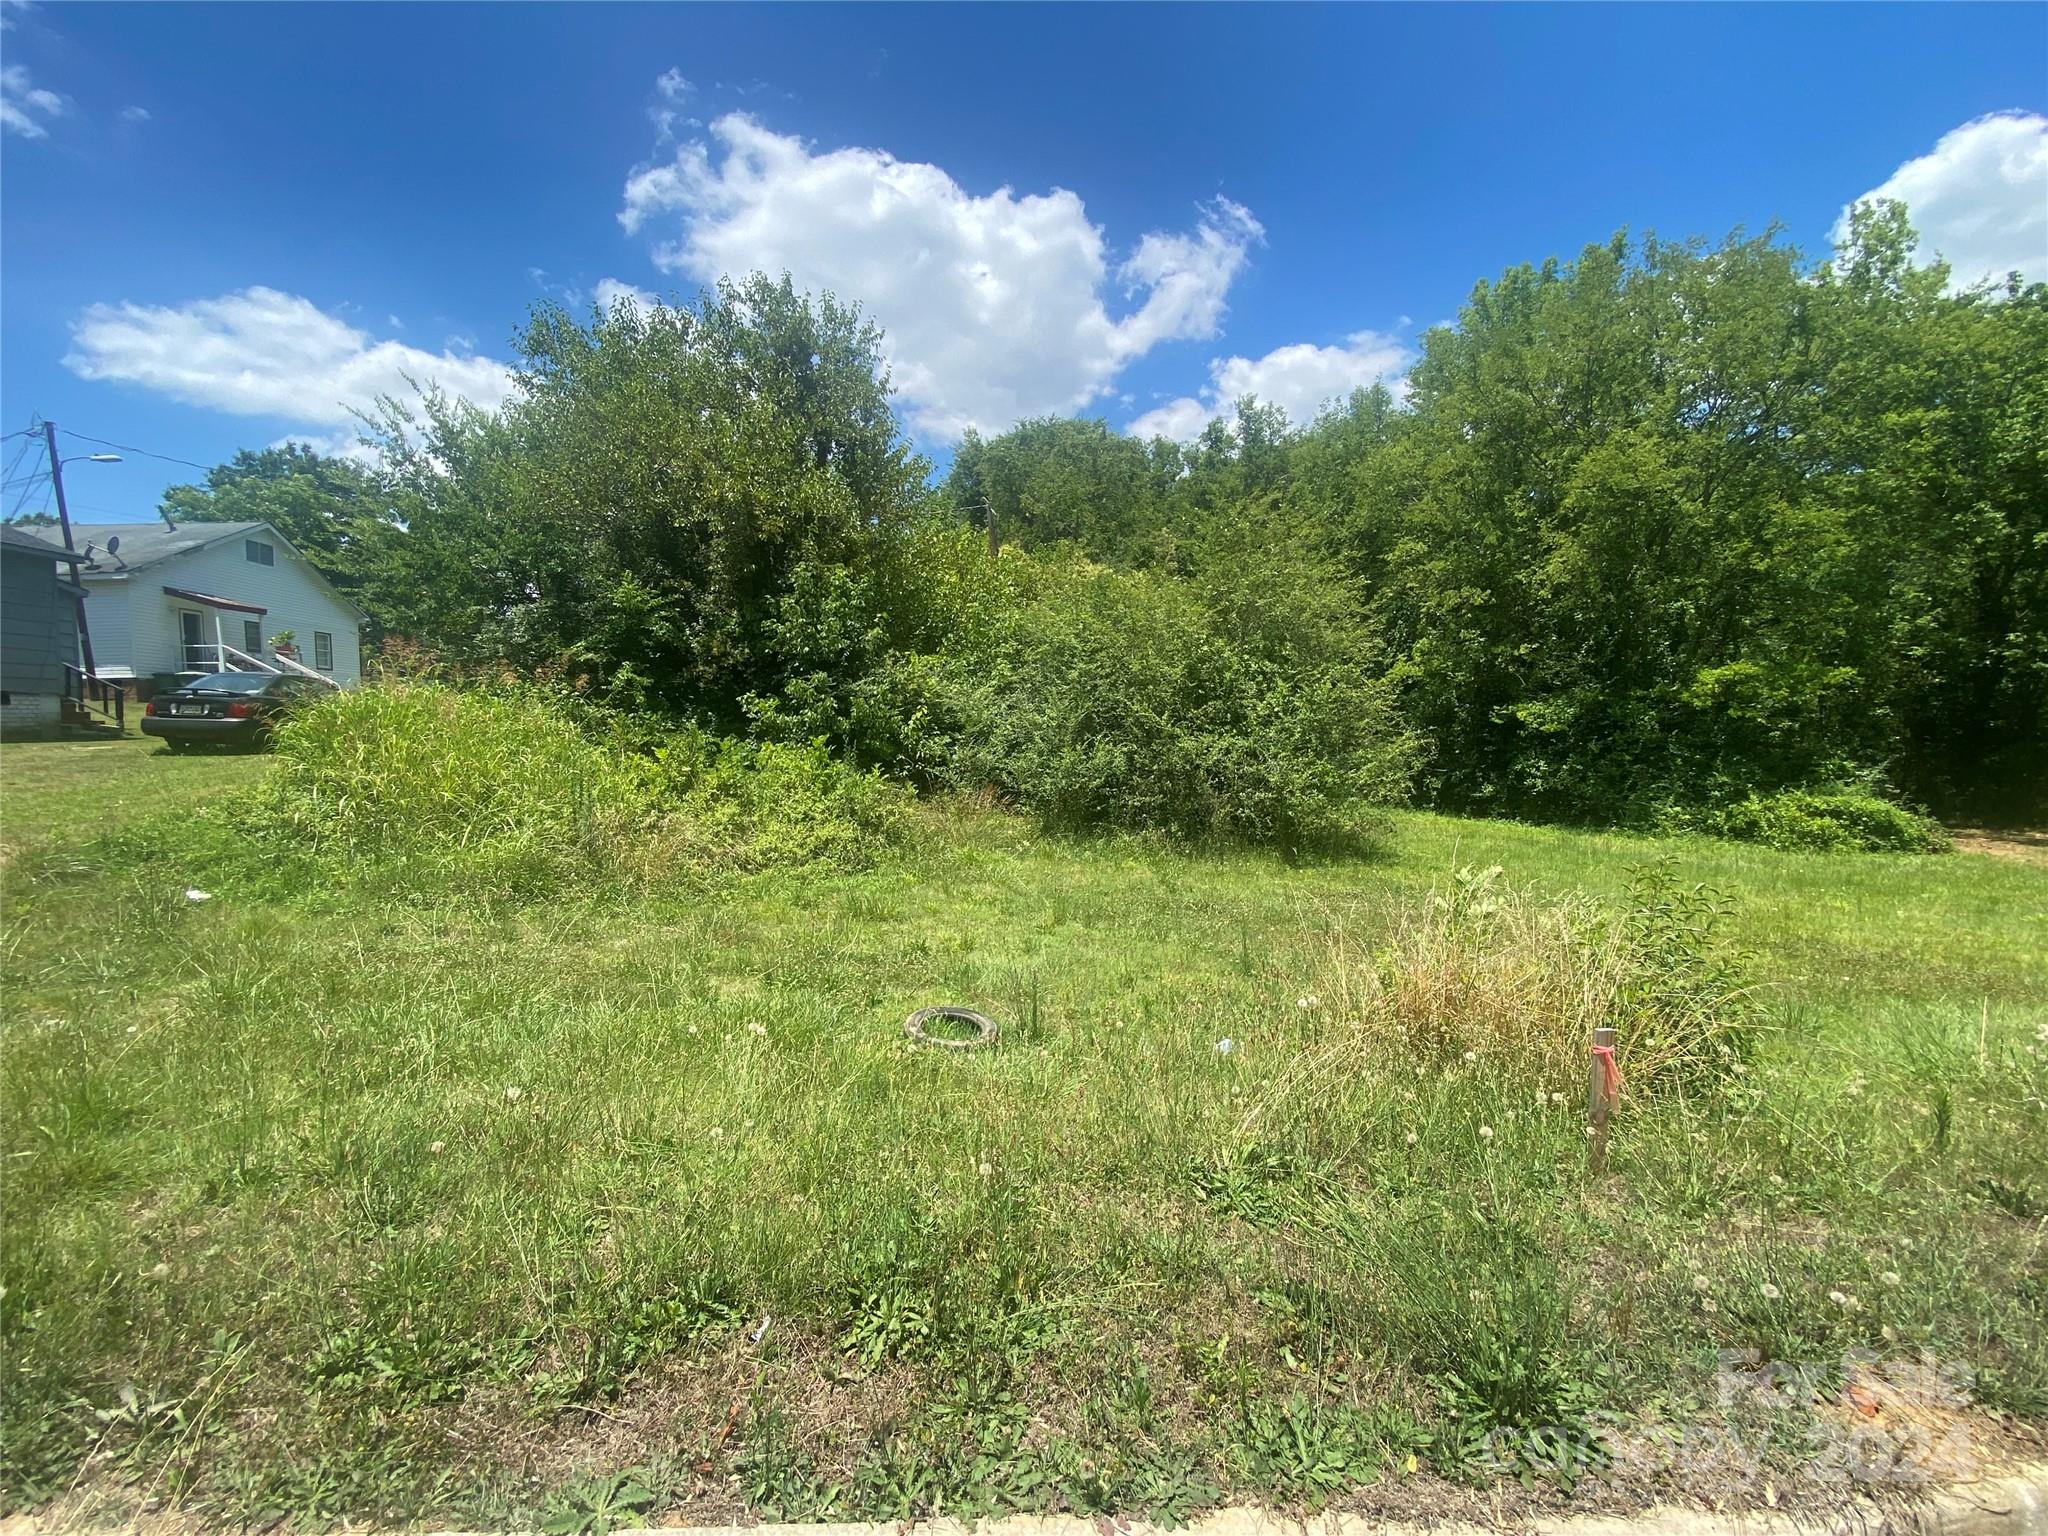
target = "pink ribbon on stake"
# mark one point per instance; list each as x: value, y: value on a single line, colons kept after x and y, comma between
x: 1610, y: 1074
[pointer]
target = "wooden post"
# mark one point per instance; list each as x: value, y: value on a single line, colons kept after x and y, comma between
x: 1603, y: 1086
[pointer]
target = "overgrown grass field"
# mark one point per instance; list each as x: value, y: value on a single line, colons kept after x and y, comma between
x: 346, y: 1198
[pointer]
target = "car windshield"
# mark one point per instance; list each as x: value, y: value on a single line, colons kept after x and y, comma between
x: 230, y: 682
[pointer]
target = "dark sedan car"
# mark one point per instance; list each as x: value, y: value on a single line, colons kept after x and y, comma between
x: 226, y: 709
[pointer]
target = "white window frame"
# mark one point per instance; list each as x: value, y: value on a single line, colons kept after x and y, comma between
x: 323, y: 641
x: 250, y: 548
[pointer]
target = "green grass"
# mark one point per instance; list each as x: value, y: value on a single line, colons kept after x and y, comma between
x: 345, y: 1205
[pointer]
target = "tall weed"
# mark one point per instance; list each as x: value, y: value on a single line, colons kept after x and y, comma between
x: 1492, y: 975
x: 504, y: 793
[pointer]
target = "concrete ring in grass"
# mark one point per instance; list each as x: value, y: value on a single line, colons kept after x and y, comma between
x: 984, y: 1027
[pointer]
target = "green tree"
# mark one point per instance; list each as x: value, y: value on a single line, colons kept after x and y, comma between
x: 1067, y: 480
x: 689, y: 507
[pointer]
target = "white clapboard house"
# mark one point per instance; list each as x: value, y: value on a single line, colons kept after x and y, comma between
x: 210, y: 597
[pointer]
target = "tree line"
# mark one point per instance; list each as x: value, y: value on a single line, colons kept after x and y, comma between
x: 1665, y: 526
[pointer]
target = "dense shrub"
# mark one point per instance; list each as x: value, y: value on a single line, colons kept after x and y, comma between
x: 1821, y: 821
x: 752, y: 805
x: 1239, y: 705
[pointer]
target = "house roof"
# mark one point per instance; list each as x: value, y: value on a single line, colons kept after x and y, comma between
x: 147, y: 543
x: 207, y: 599
x: 20, y: 538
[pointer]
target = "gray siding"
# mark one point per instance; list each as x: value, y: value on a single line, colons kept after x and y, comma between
x: 38, y: 624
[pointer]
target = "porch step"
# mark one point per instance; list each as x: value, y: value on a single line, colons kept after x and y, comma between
x: 77, y: 722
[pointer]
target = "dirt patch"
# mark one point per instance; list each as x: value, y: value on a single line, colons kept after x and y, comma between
x: 2022, y: 845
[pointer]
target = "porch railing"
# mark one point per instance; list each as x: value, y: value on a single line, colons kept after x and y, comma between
x: 96, y: 696
x: 222, y: 657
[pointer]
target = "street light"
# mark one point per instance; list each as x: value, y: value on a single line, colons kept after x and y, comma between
x: 95, y: 458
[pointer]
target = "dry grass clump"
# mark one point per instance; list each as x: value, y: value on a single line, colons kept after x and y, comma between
x: 1487, y: 973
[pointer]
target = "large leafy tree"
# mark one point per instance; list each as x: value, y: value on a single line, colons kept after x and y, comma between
x: 690, y: 506
x: 1676, y: 521
x: 1066, y: 480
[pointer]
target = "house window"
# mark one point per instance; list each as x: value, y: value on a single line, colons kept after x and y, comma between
x: 252, y: 636
x: 323, y: 650
x: 259, y: 553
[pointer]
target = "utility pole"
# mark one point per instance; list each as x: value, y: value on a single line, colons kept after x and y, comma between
x: 64, y: 522
x: 994, y: 542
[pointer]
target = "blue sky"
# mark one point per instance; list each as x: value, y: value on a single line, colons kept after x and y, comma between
x: 221, y: 225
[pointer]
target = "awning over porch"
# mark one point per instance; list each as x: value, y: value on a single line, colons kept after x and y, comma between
x: 215, y: 602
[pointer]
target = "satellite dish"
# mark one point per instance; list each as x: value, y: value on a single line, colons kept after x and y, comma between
x: 113, y: 543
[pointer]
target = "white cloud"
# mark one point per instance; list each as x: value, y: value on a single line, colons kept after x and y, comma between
x: 26, y: 108
x: 1979, y: 199
x: 671, y: 91
x: 135, y: 114
x: 260, y: 352
x: 994, y: 306
x: 610, y: 290
x: 333, y: 445
x: 1182, y: 420
x: 1300, y: 379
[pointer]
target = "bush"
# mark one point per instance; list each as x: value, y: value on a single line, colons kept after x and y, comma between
x: 753, y: 805
x: 496, y: 791
x: 1242, y: 707
x: 1822, y: 821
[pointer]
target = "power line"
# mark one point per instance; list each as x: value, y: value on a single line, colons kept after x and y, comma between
x: 19, y: 454
x: 130, y: 448
x: 28, y: 484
